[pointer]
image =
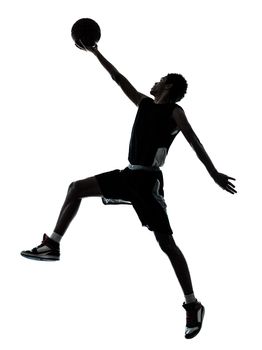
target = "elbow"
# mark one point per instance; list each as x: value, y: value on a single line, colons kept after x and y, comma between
x: 116, y: 77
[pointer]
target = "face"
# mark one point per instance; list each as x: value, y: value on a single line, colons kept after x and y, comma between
x: 160, y: 87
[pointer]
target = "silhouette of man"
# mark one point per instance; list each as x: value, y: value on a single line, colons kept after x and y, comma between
x: 140, y: 184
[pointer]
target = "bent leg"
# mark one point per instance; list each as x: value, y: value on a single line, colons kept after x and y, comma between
x: 49, y: 249
x: 177, y: 259
x: 77, y: 190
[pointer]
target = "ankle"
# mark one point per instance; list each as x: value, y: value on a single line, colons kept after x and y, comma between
x: 190, y: 298
x: 56, y: 237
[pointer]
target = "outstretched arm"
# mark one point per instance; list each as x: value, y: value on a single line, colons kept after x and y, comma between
x: 221, y: 179
x: 125, y: 85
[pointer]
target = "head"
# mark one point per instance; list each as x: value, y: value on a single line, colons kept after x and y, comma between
x: 172, y: 88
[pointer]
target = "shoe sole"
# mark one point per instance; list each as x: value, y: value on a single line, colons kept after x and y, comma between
x: 190, y: 336
x: 40, y: 258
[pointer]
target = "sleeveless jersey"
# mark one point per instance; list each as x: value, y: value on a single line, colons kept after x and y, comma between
x: 152, y: 134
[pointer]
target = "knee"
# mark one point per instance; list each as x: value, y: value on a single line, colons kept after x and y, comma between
x: 73, y: 189
x: 71, y: 186
x: 166, y: 242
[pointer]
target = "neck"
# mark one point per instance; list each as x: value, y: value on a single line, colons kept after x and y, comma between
x: 162, y: 99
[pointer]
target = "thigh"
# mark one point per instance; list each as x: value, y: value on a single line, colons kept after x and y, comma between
x: 152, y: 215
x: 150, y: 206
x: 88, y: 187
x: 114, y: 184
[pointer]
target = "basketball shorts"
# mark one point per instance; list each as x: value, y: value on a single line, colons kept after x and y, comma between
x: 143, y: 190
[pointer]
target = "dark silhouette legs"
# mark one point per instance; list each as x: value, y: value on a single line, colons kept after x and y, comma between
x: 90, y: 188
x: 177, y: 259
x: 76, y: 191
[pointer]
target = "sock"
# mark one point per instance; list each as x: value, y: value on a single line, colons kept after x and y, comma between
x: 190, y: 298
x: 56, y: 237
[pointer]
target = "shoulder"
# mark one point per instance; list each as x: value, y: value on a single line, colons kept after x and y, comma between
x: 177, y: 108
x: 143, y: 98
x: 177, y: 112
x: 179, y: 117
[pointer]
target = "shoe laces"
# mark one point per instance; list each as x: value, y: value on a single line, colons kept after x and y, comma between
x: 44, y: 243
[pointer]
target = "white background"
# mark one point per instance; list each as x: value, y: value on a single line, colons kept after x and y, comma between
x: 63, y: 118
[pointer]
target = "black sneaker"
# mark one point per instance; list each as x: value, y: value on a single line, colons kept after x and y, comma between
x: 194, y: 317
x: 48, y: 250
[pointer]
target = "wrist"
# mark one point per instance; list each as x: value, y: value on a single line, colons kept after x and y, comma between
x: 213, y: 172
x: 96, y: 52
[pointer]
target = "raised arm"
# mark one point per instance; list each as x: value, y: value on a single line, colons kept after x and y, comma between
x: 221, y: 179
x: 134, y: 95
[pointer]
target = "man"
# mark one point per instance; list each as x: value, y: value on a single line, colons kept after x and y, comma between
x: 157, y: 123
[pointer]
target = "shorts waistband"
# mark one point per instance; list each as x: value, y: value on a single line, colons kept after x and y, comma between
x: 143, y: 167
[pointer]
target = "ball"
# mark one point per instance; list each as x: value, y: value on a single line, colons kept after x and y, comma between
x: 85, y: 31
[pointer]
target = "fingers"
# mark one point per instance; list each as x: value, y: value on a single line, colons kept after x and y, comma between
x: 230, y: 189
x: 88, y: 48
x: 82, y: 44
x: 229, y: 186
x: 78, y: 44
x: 223, y: 181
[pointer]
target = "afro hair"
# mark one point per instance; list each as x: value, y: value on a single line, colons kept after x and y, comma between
x: 179, y: 88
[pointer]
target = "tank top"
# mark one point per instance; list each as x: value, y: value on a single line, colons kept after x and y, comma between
x: 152, y: 134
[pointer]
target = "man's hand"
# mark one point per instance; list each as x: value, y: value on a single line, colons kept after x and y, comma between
x: 223, y: 181
x: 81, y: 46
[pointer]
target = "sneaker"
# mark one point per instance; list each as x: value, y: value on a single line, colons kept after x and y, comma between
x: 48, y: 250
x: 194, y: 317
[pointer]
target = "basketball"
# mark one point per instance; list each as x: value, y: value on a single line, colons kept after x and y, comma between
x: 85, y: 31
